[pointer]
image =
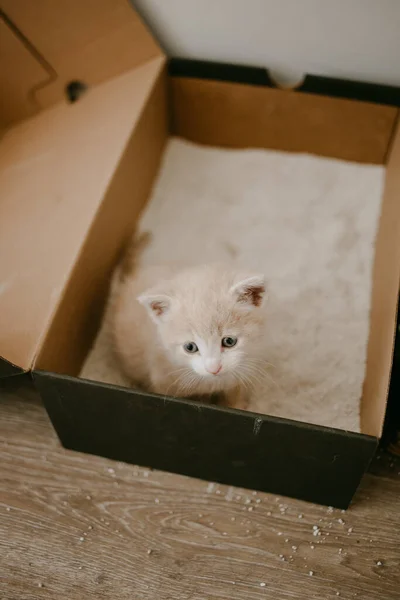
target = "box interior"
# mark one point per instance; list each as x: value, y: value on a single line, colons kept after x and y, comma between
x: 331, y: 127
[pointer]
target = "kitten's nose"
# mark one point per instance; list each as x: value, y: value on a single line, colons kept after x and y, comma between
x: 213, y: 367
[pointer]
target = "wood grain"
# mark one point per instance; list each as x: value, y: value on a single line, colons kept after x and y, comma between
x: 76, y: 526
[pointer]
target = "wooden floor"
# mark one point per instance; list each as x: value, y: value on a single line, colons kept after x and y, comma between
x: 77, y: 527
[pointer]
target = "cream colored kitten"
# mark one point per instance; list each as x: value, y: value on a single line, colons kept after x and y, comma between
x: 195, y: 331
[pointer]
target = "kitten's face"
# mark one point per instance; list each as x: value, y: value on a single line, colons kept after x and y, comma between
x: 210, y: 323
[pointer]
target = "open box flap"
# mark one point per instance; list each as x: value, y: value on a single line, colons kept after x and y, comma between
x: 50, y: 195
x: 47, y: 44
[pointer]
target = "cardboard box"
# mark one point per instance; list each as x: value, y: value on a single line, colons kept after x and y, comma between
x: 74, y: 178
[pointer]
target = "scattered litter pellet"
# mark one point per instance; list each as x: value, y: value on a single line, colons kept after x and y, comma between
x: 287, y: 540
x: 41, y: 585
x: 233, y: 518
x: 258, y: 501
x: 254, y: 493
x: 330, y: 509
x: 88, y: 497
x: 90, y: 527
x: 316, y: 532
x: 269, y: 513
x: 157, y: 501
x: 110, y: 470
x: 281, y: 556
x: 85, y: 533
x: 8, y: 509
x: 379, y: 563
x: 311, y: 573
x: 210, y: 488
x: 218, y: 492
x: 315, y: 527
x: 343, y: 512
x: 224, y: 533
x: 371, y: 541
x: 300, y: 516
x: 80, y: 568
x: 337, y: 593
x: 312, y: 547
x: 340, y: 550
x: 294, y: 548
x: 211, y: 522
x: 280, y: 533
x: 341, y: 521
x: 263, y: 584
x: 250, y: 508
x: 200, y: 515
x: 81, y: 539
x: 350, y: 529
x: 247, y: 530
x: 247, y: 501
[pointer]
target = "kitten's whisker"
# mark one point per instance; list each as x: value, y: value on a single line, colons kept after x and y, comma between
x: 261, y: 362
x: 184, y: 374
x: 257, y: 372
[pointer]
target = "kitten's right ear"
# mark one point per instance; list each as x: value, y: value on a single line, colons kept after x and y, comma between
x: 157, y: 305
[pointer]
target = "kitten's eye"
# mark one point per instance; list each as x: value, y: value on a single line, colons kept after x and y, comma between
x: 190, y: 347
x: 229, y: 342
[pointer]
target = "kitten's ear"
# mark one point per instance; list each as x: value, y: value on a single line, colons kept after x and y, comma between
x: 157, y: 305
x: 250, y: 292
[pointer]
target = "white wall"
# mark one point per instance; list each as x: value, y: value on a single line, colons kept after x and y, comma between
x: 355, y: 39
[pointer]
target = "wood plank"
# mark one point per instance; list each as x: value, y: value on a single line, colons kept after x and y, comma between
x: 243, y: 116
x: 105, y: 530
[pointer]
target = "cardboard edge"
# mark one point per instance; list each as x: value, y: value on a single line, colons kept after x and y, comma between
x: 391, y: 428
x: 312, y: 84
x: 384, y: 302
x: 238, y: 448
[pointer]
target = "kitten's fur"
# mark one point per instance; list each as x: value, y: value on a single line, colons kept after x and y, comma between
x: 156, y: 310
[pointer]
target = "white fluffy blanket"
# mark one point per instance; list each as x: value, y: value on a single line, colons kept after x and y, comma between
x: 309, y: 224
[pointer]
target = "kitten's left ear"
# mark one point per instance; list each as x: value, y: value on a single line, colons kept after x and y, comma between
x: 157, y: 305
x: 250, y: 292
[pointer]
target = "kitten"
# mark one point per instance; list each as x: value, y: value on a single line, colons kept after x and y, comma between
x: 189, y: 332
